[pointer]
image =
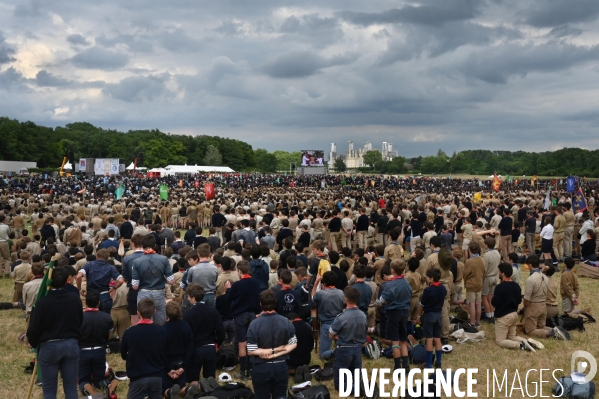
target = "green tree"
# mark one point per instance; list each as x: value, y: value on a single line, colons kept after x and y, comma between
x: 340, y: 165
x: 284, y: 159
x: 212, y: 157
x: 372, y: 157
x: 265, y: 161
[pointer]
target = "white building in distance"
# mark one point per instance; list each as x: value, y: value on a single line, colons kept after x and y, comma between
x: 355, y: 158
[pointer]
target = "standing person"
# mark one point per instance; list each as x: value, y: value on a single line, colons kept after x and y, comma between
x: 127, y: 267
x: 144, y: 349
x: 381, y: 224
x: 270, y: 338
x: 202, y: 272
x: 179, y: 351
x: 55, y: 325
x: 431, y: 305
x: 243, y: 295
x: 492, y: 260
x: 395, y: 298
x: 393, y: 251
x: 349, y: 329
x: 4, y: 248
x: 95, y: 331
x: 508, y: 296
x: 208, y: 331
x: 559, y: 226
x: 329, y: 302
x: 150, y: 272
x: 474, y: 272
x: 347, y: 226
x: 218, y: 221
x: 362, y: 228
x: 569, y: 230
x: 505, y: 228
x: 535, y: 308
x: 530, y: 228
x: 99, y: 274
x: 547, y: 240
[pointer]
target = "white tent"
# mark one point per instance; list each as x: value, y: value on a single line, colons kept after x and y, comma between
x: 191, y: 169
x: 132, y: 166
x: 162, y: 171
x: 68, y: 166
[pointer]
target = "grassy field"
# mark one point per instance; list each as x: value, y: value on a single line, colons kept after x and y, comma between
x: 485, y: 355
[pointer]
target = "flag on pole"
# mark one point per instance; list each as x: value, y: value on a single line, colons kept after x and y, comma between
x: 553, y: 183
x: 209, y: 190
x: 510, y: 179
x: 570, y: 184
x: 164, y: 192
x: 196, y: 184
x: 477, y: 197
x: 118, y: 193
x: 533, y: 180
x: 496, y: 183
x: 579, y: 204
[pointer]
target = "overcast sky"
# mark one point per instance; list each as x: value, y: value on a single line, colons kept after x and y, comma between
x: 450, y: 74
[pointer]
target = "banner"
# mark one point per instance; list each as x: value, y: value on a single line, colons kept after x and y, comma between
x: 579, y: 204
x: 196, y: 184
x: 547, y: 203
x: 164, y: 192
x: 496, y: 183
x: 533, y: 180
x: 209, y: 190
x: 477, y: 197
x: 570, y: 184
x: 509, y: 179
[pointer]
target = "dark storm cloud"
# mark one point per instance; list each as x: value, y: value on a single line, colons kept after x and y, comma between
x: 6, y: 51
x: 496, y: 65
x: 45, y: 79
x: 548, y: 13
x: 138, y: 88
x: 433, y: 14
x: 100, y: 58
x: 300, y: 64
x: 13, y: 80
x: 320, y: 31
x: 77, y: 40
x: 134, y: 43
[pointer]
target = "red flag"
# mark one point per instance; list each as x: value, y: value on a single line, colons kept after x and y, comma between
x: 292, y: 184
x: 181, y: 183
x: 496, y: 182
x: 197, y: 183
x: 209, y: 190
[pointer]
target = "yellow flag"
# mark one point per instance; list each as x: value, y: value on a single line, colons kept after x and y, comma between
x: 478, y: 197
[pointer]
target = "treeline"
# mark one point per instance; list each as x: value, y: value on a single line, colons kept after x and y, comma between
x: 26, y: 141
x: 575, y: 161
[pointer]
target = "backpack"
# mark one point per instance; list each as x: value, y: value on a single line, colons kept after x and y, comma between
x: 555, y: 321
x: 466, y: 327
x: 259, y: 270
x: 573, y: 323
x: 231, y: 391
x: 226, y: 357
x: 324, y: 374
x: 315, y: 392
x: 566, y: 388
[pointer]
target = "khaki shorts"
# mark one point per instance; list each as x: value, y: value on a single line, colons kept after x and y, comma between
x: 456, y: 293
x: 489, y: 284
x: 372, y: 317
x: 414, y: 305
x: 474, y: 297
x: 466, y: 243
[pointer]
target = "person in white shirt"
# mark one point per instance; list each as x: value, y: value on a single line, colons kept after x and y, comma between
x: 547, y: 239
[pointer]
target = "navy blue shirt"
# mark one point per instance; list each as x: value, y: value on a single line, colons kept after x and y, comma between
x: 144, y: 349
x: 433, y: 298
x: 179, y: 344
x: 244, y: 295
x: 99, y: 273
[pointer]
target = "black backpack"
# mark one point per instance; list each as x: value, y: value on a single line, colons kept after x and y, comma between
x: 231, y: 391
x: 226, y: 357
x: 573, y: 323
x: 315, y: 392
x: 324, y: 374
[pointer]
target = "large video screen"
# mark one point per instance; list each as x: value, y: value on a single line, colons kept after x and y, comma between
x: 312, y: 158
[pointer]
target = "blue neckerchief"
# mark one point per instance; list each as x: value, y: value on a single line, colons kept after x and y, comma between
x: 538, y: 270
x: 475, y: 255
x: 435, y: 251
x: 515, y: 265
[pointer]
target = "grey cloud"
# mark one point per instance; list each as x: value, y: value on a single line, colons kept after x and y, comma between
x: 565, y: 30
x: 6, y: 50
x: 178, y: 41
x: 100, y: 58
x: 496, y: 65
x: 230, y: 28
x: 77, y: 40
x: 133, y: 43
x: 436, y: 13
x: 547, y: 13
x: 45, y: 79
x: 138, y: 88
x: 13, y: 80
x: 300, y: 64
x: 433, y: 42
x: 321, y: 31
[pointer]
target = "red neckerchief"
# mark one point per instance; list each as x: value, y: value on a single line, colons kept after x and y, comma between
x: 269, y: 311
x: 149, y: 252
x: 285, y: 287
x: 145, y: 321
x: 246, y: 276
x: 38, y: 276
x: 298, y: 319
x: 91, y: 310
x: 435, y: 283
x: 398, y: 277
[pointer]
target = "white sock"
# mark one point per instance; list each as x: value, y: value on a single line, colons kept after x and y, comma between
x: 488, y: 315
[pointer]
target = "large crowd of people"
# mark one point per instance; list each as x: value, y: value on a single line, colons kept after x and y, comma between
x: 274, y: 267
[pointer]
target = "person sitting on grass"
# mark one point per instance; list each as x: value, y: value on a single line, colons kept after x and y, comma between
x: 429, y: 315
x: 506, y: 300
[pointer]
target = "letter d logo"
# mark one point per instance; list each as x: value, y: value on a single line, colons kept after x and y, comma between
x: 583, y: 366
